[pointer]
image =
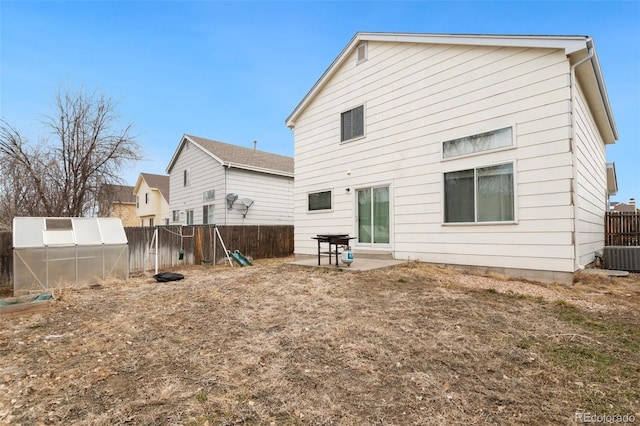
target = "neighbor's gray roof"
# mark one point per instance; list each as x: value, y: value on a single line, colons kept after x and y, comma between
x: 240, y: 157
x: 118, y: 193
x: 160, y: 182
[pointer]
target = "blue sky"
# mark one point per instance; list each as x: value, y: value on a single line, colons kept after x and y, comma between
x: 234, y: 70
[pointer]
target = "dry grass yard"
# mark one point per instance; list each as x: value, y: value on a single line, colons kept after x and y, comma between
x: 280, y: 344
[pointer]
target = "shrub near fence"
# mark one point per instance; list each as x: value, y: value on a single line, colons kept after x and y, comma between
x: 197, y: 243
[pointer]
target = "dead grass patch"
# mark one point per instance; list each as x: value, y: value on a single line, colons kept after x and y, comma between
x: 282, y: 344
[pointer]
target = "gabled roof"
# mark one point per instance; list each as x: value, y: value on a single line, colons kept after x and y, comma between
x: 159, y: 182
x: 120, y: 194
x: 572, y: 45
x: 238, y: 157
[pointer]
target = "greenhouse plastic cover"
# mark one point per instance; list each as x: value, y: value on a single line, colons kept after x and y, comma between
x: 75, y: 231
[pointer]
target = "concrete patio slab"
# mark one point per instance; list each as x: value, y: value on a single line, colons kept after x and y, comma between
x: 359, y: 264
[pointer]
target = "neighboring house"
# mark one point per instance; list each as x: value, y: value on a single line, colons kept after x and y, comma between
x: 471, y: 150
x: 152, y: 199
x: 217, y: 183
x: 624, y: 208
x: 118, y: 201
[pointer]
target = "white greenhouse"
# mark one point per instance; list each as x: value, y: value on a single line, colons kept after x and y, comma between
x: 63, y: 252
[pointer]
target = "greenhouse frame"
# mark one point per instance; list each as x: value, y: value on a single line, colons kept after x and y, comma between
x: 65, y: 252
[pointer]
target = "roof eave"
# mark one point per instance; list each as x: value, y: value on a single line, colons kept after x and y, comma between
x: 258, y: 169
x: 570, y: 44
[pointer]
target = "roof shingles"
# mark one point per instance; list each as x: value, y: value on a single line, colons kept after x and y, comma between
x: 247, y: 157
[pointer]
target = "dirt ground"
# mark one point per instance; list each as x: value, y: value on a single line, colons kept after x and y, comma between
x: 280, y: 344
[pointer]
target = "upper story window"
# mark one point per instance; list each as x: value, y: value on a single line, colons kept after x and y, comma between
x: 146, y: 198
x: 137, y: 201
x: 352, y: 124
x: 185, y: 177
x: 362, y: 52
x: 209, y: 195
x: 478, y: 143
x: 319, y: 201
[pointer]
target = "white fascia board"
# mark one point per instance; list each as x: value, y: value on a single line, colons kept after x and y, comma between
x: 176, y: 154
x: 603, y: 91
x: 174, y: 157
x: 570, y: 44
x: 257, y: 169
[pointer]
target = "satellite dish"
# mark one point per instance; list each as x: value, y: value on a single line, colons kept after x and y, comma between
x: 247, y: 202
x: 231, y: 198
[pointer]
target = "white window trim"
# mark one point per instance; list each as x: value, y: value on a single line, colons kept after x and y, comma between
x: 514, y: 163
x: 323, y: 210
x: 514, y: 138
x: 364, y: 123
x: 204, y: 195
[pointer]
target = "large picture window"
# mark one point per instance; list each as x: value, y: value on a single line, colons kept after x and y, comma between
x: 477, y: 143
x: 319, y: 201
x: 352, y: 124
x: 483, y: 194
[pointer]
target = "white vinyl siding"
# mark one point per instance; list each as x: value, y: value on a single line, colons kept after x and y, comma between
x: 272, y: 194
x: 435, y: 93
x: 591, y: 183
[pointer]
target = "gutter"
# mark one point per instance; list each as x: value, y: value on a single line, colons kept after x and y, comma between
x: 574, y: 156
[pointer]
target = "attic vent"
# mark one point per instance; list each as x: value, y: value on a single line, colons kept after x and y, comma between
x: 362, y: 52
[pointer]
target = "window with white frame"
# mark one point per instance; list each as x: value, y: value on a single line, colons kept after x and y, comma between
x: 185, y: 177
x: 175, y: 216
x: 189, y: 217
x: 207, y: 215
x: 352, y: 124
x: 319, y: 201
x: 137, y: 201
x: 209, y: 195
x: 487, y: 141
x: 362, y: 52
x: 481, y: 194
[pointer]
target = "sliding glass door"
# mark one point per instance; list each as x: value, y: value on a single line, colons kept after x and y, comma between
x: 373, y: 215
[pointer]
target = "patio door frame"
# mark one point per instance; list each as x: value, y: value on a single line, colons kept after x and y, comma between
x: 356, y: 210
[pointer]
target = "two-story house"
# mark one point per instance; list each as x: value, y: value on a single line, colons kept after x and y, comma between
x: 213, y: 182
x: 482, y: 151
x: 152, y: 199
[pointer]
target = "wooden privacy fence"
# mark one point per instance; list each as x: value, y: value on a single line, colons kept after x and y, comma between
x: 622, y: 229
x: 197, y: 244
x: 6, y: 258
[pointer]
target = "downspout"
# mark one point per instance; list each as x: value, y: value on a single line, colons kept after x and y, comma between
x: 574, y: 157
x: 226, y: 191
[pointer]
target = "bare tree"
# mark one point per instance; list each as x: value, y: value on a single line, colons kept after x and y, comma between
x: 62, y: 177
